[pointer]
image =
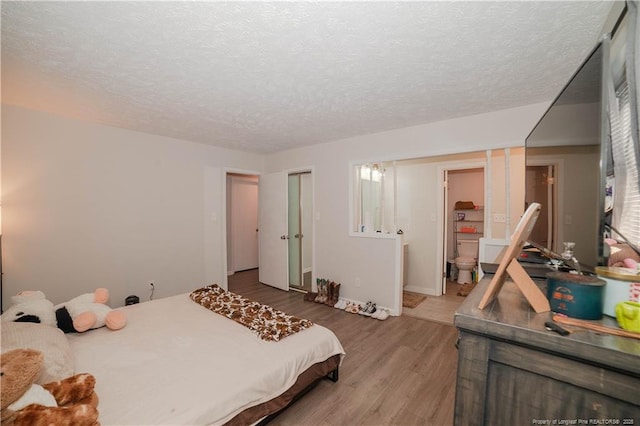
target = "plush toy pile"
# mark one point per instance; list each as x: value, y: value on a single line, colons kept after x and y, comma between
x: 25, y: 400
x: 82, y: 313
x: 71, y: 401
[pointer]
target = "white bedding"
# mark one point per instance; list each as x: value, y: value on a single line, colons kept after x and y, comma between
x: 178, y: 363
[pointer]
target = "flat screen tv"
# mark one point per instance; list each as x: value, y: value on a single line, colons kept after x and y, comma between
x: 564, y: 153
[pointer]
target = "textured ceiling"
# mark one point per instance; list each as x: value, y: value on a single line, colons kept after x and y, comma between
x: 263, y: 77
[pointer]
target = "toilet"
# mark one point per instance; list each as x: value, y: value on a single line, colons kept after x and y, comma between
x: 466, y: 260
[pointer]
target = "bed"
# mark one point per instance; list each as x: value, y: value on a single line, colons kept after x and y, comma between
x: 177, y: 362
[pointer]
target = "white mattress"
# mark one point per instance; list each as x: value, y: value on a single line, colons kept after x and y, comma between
x: 178, y: 363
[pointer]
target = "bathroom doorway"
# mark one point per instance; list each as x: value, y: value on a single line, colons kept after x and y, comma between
x: 300, y: 232
x: 464, y: 220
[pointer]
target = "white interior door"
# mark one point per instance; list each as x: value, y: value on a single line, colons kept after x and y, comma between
x: 272, y: 221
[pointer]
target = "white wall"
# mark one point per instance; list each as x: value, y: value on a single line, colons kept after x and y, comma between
x: 87, y: 206
x: 344, y: 258
x: 419, y: 183
x: 417, y: 210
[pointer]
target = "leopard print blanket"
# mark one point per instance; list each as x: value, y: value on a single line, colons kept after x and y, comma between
x: 268, y: 323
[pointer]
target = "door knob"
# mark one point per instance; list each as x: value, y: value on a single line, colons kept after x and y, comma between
x: 297, y: 235
x: 283, y: 237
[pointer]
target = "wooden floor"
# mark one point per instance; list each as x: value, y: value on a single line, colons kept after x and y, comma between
x: 438, y: 308
x: 396, y: 372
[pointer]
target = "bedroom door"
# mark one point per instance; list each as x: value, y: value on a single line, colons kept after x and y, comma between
x: 273, y: 236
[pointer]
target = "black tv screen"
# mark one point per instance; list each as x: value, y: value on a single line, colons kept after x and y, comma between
x: 563, y: 157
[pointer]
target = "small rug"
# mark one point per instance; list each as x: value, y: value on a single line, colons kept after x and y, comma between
x: 412, y: 300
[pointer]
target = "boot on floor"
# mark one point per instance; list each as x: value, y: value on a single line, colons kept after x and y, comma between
x: 330, y: 290
x: 322, y: 290
x: 329, y: 293
x: 335, y: 294
x: 325, y: 288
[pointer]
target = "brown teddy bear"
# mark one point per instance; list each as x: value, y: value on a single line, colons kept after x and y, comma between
x: 71, y: 401
x: 622, y: 255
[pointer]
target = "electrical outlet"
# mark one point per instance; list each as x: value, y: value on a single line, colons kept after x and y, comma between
x: 499, y: 217
x: 358, y: 284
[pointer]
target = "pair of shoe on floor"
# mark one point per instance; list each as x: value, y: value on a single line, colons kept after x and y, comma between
x: 368, y: 310
x: 350, y: 307
x: 328, y: 292
x: 371, y: 310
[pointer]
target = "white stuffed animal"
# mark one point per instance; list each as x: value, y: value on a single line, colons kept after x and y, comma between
x: 30, y: 306
x: 82, y: 313
x: 89, y: 311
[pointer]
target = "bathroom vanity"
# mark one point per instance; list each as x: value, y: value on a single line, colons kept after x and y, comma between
x: 511, y: 370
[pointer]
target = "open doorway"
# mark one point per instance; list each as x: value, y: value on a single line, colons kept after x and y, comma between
x: 242, y: 222
x: 464, y: 225
x: 541, y: 184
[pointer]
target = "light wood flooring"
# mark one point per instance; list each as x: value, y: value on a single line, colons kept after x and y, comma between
x: 400, y: 371
x: 439, y: 309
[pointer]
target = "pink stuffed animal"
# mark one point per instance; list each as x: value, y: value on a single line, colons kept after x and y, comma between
x: 89, y: 311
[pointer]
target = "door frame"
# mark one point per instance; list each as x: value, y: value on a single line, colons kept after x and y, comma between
x: 237, y: 180
x: 558, y: 193
x: 225, y: 172
x: 301, y: 223
x: 443, y: 219
x: 300, y: 170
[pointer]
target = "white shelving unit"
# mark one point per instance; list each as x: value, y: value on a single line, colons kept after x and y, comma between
x: 468, y: 224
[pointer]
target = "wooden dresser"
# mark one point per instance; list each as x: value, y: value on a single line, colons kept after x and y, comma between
x: 512, y: 371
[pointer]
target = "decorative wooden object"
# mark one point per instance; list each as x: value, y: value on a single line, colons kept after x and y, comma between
x: 509, y: 265
x: 589, y: 325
